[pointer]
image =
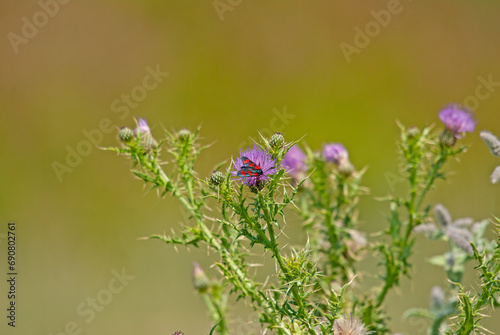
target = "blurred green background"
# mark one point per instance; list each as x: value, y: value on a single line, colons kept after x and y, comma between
x: 247, y: 67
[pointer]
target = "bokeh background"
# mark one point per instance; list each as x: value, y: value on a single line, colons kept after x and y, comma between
x: 245, y: 67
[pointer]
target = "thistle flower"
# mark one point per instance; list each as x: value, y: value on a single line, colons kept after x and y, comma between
x: 261, y: 159
x: 349, y: 326
x: 178, y: 333
x: 457, y: 121
x: 143, y: 131
x: 491, y: 141
x: 336, y: 153
x: 142, y: 127
x: 294, y: 162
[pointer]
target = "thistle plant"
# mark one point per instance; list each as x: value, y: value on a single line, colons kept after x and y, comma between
x: 320, y: 287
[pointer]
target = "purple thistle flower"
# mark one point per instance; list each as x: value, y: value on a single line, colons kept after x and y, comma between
x: 335, y: 153
x: 457, y: 120
x: 263, y: 160
x: 294, y: 161
x: 142, y: 127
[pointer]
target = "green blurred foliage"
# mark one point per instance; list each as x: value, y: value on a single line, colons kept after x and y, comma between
x: 230, y: 76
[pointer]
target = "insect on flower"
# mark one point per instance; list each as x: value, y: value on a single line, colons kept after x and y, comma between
x: 254, y: 167
x: 249, y: 168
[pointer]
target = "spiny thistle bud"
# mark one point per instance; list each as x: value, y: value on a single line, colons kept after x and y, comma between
x: 216, y: 178
x: 125, y: 134
x: 148, y: 141
x: 277, y: 140
x: 492, y: 142
x: 413, y: 132
x: 178, y: 333
x: 183, y: 134
x: 200, y: 279
x: 447, y: 139
x: 349, y: 326
x: 346, y: 168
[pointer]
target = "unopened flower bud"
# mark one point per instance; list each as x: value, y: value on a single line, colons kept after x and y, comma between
x: 413, y: 132
x: 345, y: 168
x: 277, y: 140
x: 216, y: 178
x: 126, y: 134
x: 200, y: 279
x: 148, y: 141
x: 183, y: 134
x: 447, y: 139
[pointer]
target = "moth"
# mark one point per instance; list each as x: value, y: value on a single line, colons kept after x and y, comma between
x: 249, y: 168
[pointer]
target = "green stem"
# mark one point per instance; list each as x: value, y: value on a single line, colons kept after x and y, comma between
x: 226, y: 256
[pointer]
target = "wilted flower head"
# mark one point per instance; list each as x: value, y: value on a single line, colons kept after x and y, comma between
x: 142, y: 126
x: 294, y: 161
x: 457, y: 230
x: 491, y: 141
x: 349, y: 326
x: 261, y: 159
x: 495, y: 176
x: 457, y: 120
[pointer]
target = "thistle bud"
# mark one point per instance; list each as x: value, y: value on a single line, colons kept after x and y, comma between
x: 216, y: 178
x: 148, y: 141
x: 412, y: 132
x: 183, y: 134
x: 346, y: 168
x: 178, y: 333
x: 447, y: 139
x: 277, y: 140
x: 125, y: 134
x: 200, y: 279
